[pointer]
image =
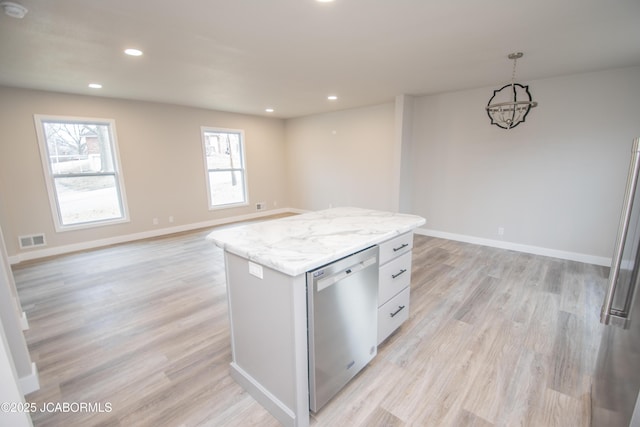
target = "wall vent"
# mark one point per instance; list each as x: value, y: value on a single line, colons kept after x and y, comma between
x: 32, y: 241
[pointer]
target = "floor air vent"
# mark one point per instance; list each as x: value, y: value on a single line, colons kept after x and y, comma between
x: 32, y: 241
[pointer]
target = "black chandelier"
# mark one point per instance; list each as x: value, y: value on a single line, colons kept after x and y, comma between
x: 509, y: 105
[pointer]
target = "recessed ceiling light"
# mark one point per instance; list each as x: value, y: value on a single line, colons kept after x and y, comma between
x: 14, y: 10
x: 325, y: 1
x: 95, y: 85
x: 269, y: 110
x: 133, y: 52
x: 332, y: 97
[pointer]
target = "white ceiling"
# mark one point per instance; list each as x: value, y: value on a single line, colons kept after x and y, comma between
x: 246, y: 55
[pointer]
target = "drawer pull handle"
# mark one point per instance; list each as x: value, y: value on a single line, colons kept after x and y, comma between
x: 393, y: 276
x: 404, y: 245
x: 400, y: 308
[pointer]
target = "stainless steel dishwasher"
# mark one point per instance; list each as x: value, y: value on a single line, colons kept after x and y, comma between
x: 343, y: 322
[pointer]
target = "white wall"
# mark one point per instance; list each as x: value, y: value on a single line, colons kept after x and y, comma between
x: 10, y: 391
x: 161, y: 155
x: 344, y: 158
x: 555, y: 181
x: 25, y: 369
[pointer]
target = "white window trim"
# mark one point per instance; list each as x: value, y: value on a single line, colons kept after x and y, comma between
x: 46, y: 168
x: 204, y: 129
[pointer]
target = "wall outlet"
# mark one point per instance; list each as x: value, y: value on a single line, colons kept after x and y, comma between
x: 500, y: 231
x: 155, y: 221
x: 170, y: 219
x: 256, y: 270
x: 260, y: 206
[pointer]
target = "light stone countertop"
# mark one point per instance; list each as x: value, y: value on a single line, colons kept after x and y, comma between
x: 300, y: 243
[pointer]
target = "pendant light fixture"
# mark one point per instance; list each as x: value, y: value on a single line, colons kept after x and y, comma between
x: 509, y: 105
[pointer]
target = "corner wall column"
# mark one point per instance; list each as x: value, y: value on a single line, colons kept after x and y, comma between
x: 402, y: 186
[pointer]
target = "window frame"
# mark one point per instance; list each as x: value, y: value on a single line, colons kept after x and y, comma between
x: 50, y: 177
x: 243, y: 169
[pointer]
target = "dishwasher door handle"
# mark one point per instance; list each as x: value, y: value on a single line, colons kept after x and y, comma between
x: 331, y: 280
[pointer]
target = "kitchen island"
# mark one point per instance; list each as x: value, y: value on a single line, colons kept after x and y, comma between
x: 266, y: 265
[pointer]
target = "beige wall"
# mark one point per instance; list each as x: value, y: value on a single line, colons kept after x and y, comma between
x: 344, y: 158
x: 554, y: 182
x: 161, y: 156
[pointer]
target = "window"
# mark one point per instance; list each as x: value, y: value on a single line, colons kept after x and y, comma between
x: 224, y: 163
x: 82, y: 170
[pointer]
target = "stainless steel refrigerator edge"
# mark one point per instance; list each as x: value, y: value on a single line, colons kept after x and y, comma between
x: 616, y: 380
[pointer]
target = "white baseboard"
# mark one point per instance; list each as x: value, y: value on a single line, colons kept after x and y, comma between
x: 31, y: 382
x: 297, y: 211
x: 24, y: 323
x: 271, y: 403
x: 536, y: 250
x: 60, y: 250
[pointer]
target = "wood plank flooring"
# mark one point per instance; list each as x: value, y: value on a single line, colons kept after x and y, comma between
x: 495, y: 338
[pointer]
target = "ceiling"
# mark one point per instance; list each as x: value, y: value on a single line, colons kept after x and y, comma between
x: 248, y: 55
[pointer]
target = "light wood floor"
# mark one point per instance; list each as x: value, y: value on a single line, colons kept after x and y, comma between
x: 495, y: 338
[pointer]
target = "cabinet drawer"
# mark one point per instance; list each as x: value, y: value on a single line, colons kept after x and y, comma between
x: 395, y: 247
x: 394, y: 277
x: 392, y: 314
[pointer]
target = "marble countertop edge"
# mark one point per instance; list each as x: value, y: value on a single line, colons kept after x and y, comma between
x: 301, y: 243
